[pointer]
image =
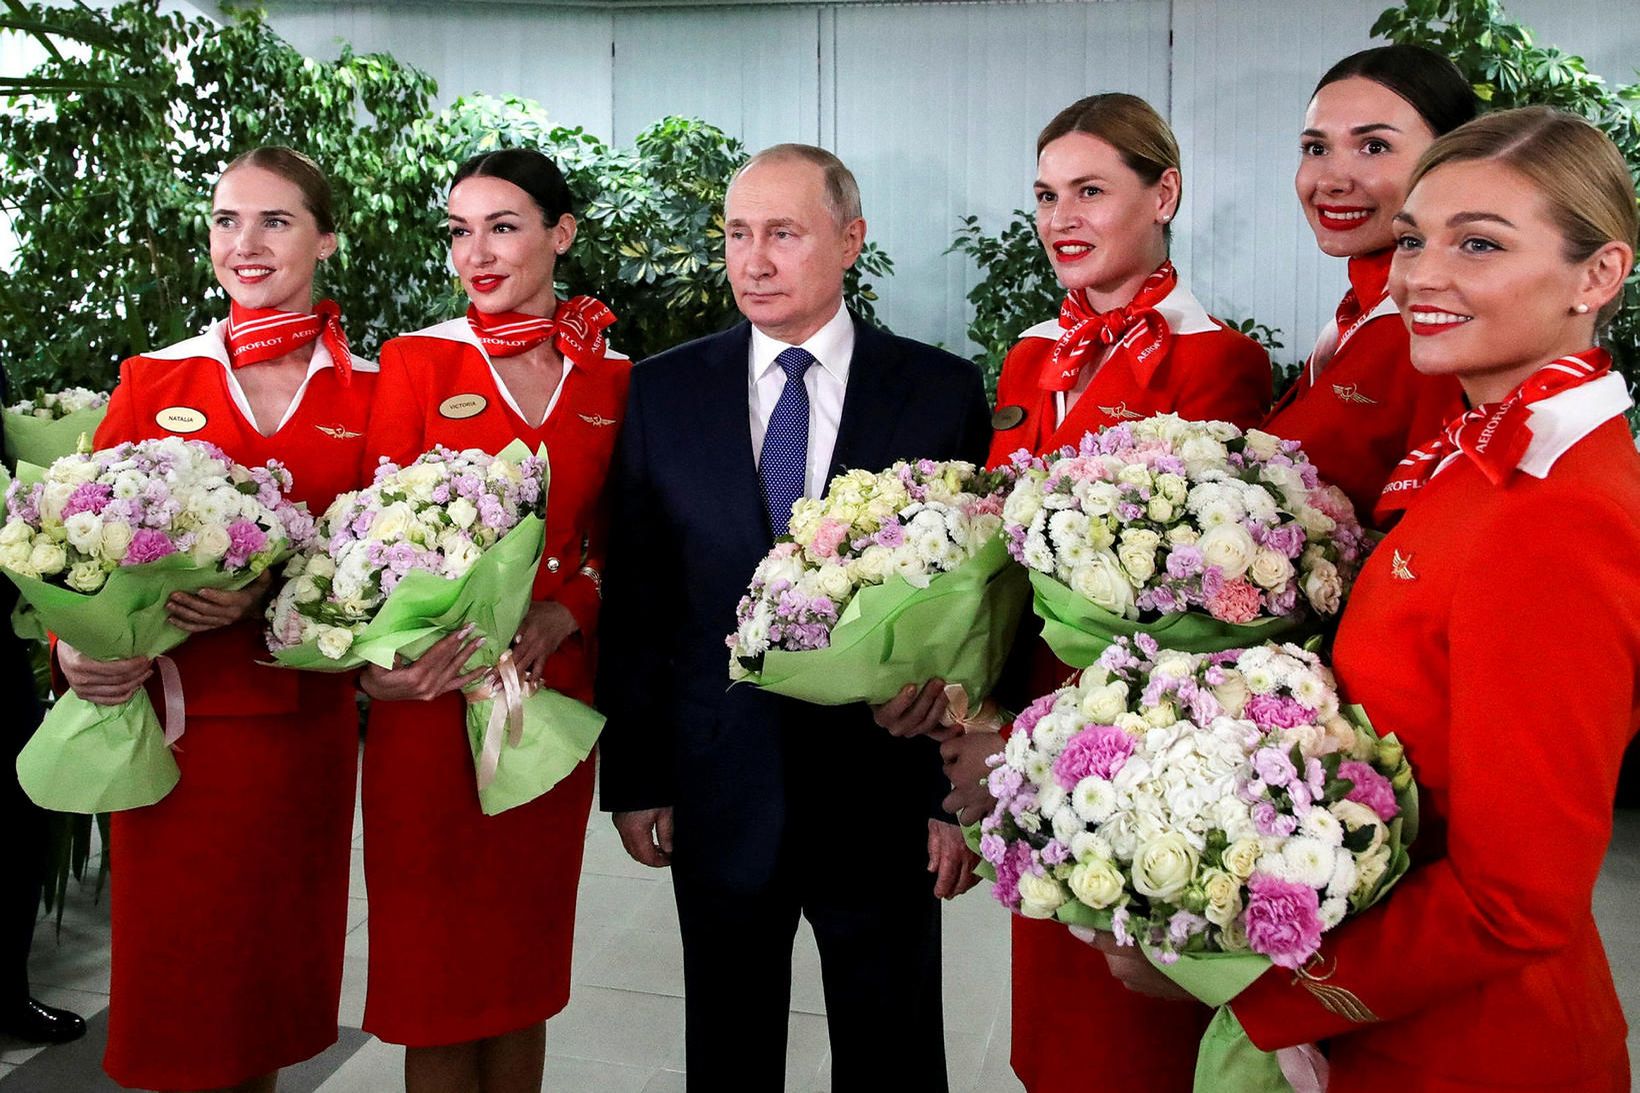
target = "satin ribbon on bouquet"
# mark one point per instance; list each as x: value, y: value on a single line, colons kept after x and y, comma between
x: 176, y: 717
x: 987, y: 718
x: 1304, y: 1067
x: 509, y: 689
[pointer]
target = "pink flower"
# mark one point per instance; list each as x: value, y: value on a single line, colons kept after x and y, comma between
x: 828, y: 537
x: 1370, y: 788
x: 1283, y: 920
x: 147, y: 545
x: 1235, y: 600
x: 1035, y: 712
x: 1099, y: 750
x: 244, y: 540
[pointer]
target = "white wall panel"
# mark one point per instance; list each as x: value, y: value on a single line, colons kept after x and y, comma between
x: 558, y: 56
x: 937, y: 109
x: 752, y: 71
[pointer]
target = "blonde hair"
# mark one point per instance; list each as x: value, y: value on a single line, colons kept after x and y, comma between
x: 1125, y: 122
x: 1573, y: 165
x: 297, y: 169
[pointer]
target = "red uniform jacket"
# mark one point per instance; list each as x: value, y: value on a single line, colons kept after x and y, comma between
x: 188, y: 390
x: 441, y: 389
x: 1497, y: 631
x: 1210, y: 373
x: 1358, y: 406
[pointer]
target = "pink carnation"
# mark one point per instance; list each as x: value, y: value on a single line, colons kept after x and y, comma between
x: 828, y: 537
x: 1283, y: 920
x: 1036, y: 711
x: 1236, y: 600
x: 245, y: 539
x: 147, y: 545
x: 1097, y: 750
x: 1370, y: 788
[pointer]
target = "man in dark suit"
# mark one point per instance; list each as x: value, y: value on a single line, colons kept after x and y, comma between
x: 765, y: 807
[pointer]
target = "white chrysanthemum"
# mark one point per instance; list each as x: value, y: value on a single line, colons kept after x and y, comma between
x: 1309, y: 861
x: 1038, y: 768
x: 1089, y: 846
x: 1066, y: 825
x: 1015, y: 750
x: 1094, y: 800
x: 1345, y: 873
x: 1333, y: 911
x: 1320, y: 824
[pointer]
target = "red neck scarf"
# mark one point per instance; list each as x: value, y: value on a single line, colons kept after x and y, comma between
x: 1369, y: 284
x: 1137, y: 330
x: 576, y: 330
x: 257, y: 334
x: 1494, y: 435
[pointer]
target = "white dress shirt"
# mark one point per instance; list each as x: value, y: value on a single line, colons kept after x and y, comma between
x: 826, y: 382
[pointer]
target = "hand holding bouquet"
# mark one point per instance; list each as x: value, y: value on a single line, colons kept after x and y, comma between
x: 1219, y: 810
x: 43, y: 429
x: 891, y: 578
x: 96, y: 544
x: 448, y: 541
x: 1202, y: 536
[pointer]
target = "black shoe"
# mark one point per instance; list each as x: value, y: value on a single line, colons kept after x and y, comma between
x: 41, y: 1024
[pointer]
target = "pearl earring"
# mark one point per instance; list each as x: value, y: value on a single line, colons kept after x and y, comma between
x: 1581, y: 309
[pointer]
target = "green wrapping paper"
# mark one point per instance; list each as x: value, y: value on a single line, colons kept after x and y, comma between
x: 90, y: 758
x: 1078, y: 632
x: 959, y: 629
x: 494, y: 595
x: 39, y: 441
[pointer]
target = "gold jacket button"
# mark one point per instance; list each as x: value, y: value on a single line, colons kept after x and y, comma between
x: 552, y: 565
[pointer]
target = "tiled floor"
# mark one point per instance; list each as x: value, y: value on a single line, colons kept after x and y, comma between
x: 623, y: 1030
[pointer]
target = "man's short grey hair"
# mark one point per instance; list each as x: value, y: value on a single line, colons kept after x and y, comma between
x: 842, y: 192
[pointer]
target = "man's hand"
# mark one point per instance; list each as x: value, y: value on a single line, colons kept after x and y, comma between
x: 965, y: 765
x: 102, y: 682
x: 212, y: 608
x: 436, y: 671
x: 1130, y: 967
x: 950, y: 860
x: 647, y: 835
x: 915, y: 712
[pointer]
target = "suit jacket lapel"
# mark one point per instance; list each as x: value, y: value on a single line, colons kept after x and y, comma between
x: 871, y: 406
x: 721, y: 427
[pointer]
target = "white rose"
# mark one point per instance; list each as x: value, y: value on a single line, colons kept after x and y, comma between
x: 1240, y: 858
x: 75, y: 471
x: 116, y: 540
x: 1354, y: 815
x: 52, y: 500
x: 462, y: 513
x: 1101, y: 705
x: 15, y: 557
x: 1315, y: 522
x: 1103, y: 583
x: 47, y: 558
x: 459, y: 558
x: 1024, y: 502
x: 1223, y: 893
x: 1270, y: 569
x: 1262, y: 445
x: 321, y: 565
x: 1096, y: 883
x: 502, y: 470
x: 391, y: 523
x: 1203, y: 452
x: 1040, y: 897
x: 335, y: 641
x: 15, y: 531
x: 1323, y: 587
x: 1182, y: 535
x: 420, y: 480
x: 834, y: 582
x: 1228, y: 546
x: 1161, y: 715
x: 1164, y: 866
x: 211, y: 543
x: 86, y: 577
x: 1370, y: 868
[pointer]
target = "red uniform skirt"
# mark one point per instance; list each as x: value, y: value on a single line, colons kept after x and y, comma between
x: 230, y: 899
x: 472, y: 917
x: 1077, y: 1029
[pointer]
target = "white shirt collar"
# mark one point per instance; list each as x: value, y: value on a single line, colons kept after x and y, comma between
x: 1560, y: 421
x: 213, y: 344
x: 1183, y: 312
x: 832, y: 347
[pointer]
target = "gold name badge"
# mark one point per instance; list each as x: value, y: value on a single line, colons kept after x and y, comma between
x: 180, y: 419
x: 457, y: 407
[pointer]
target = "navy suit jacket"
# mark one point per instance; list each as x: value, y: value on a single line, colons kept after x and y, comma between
x: 749, y: 774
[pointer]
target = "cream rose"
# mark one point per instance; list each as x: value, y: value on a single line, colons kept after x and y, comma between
x: 1261, y: 444
x: 1164, y: 866
x: 1370, y: 868
x: 834, y: 582
x: 1096, y: 883
x: 1223, y: 895
x: 462, y: 513
x: 1040, y: 897
x: 15, y: 531
x: 1103, y: 582
x: 1102, y: 704
x: 1323, y: 587
x: 392, y: 522
x: 1270, y: 569
x: 1240, y: 858
x: 1229, y: 547
x: 459, y: 558
x: 47, y: 558
x: 116, y: 540
x: 86, y: 576
x: 15, y: 557
x: 335, y: 641
x: 1354, y: 816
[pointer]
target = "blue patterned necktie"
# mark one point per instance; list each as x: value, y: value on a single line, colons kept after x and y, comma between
x: 784, y: 460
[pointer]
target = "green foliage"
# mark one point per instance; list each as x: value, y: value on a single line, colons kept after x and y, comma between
x: 108, y: 189
x: 1508, y: 68
x: 1018, y: 289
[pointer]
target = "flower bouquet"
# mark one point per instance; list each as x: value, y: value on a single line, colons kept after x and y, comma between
x: 96, y: 543
x: 49, y: 427
x: 1222, y: 811
x: 891, y: 578
x: 451, y: 539
x: 1193, y: 532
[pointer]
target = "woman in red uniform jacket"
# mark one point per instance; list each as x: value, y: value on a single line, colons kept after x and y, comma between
x: 230, y: 897
x: 1130, y: 342
x: 472, y: 916
x: 1358, y: 405
x: 1483, y: 970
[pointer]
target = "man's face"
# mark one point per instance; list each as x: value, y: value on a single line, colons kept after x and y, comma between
x: 786, y: 253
